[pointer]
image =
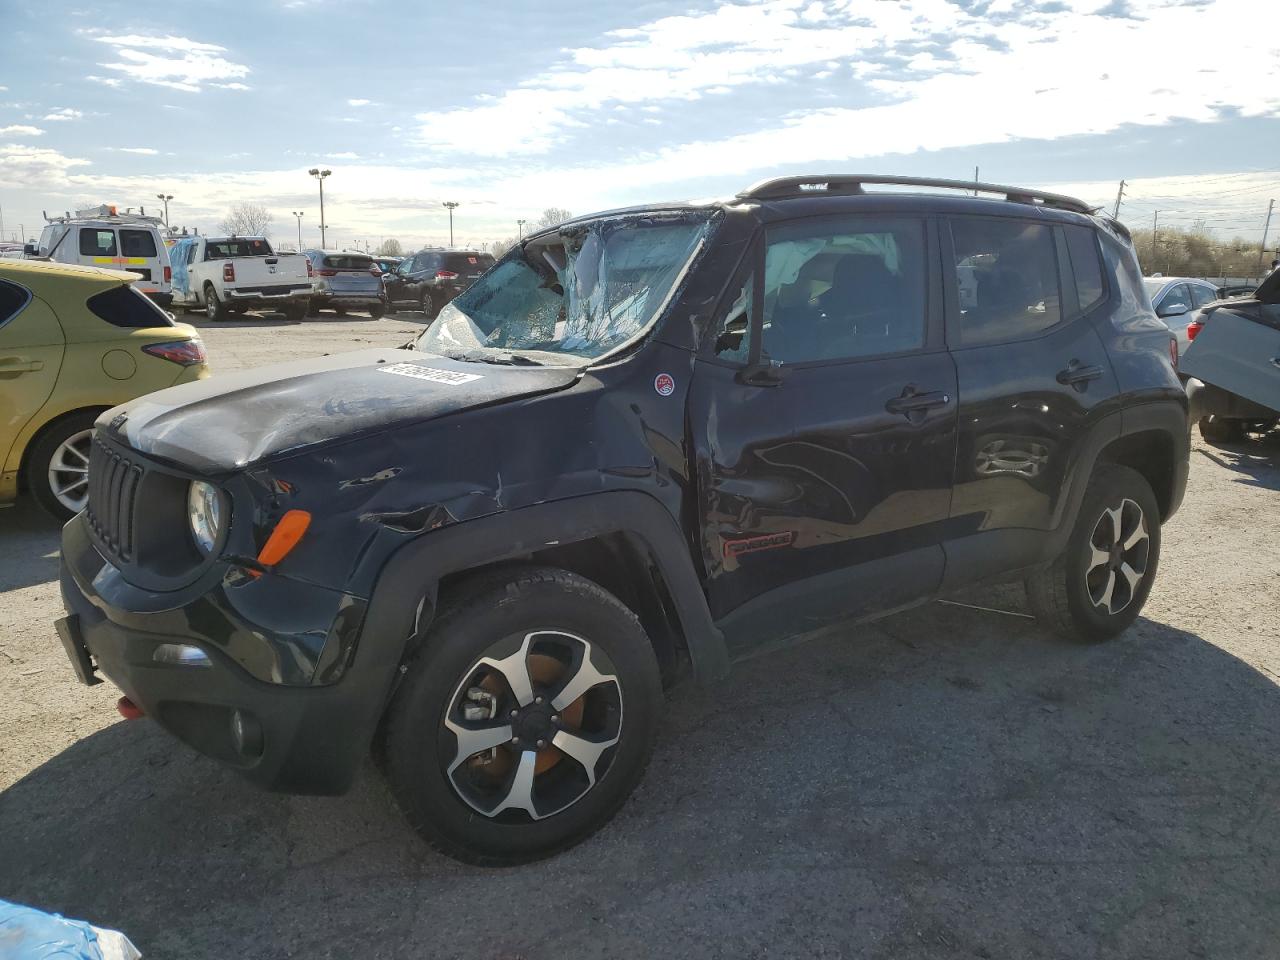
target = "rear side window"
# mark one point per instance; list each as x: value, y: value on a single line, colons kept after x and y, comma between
x: 124, y: 306
x: 467, y: 263
x: 12, y: 299
x: 1086, y: 264
x: 1007, y: 274
x: 348, y: 262
x: 843, y: 289
x: 137, y: 243
x: 97, y: 243
x: 1200, y: 295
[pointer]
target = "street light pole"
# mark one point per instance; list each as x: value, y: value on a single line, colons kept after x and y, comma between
x: 452, y: 205
x: 298, y: 215
x: 520, y: 228
x: 165, y: 197
x: 320, y: 175
x: 1262, y: 248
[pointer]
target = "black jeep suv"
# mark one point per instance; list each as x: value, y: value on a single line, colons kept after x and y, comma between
x: 646, y: 442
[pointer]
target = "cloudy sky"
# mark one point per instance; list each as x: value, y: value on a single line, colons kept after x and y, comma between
x: 509, y: 107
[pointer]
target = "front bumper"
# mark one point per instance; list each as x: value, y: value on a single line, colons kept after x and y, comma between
x: 303, y: 739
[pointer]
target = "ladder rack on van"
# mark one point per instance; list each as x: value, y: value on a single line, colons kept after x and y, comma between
x: 108, y: 213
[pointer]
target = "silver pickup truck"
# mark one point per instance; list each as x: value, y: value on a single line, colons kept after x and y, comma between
x: 1233, y: 361
x: 224, y: 275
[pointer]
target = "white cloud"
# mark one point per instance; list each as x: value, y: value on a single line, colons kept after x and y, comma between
x: 175, y: 62
x: 20, y: 130
x: 64, y: 113
x: 105, y: 81
x: 931, y: 76
x: 231, y: 86
x: 141, y: 151
x: 358, y: 102
x: 22, y: 166
x: 348, y: 155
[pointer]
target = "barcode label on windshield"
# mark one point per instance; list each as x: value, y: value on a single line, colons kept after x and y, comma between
x: 452, y: 377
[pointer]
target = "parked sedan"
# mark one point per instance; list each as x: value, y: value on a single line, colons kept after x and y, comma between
x: 1178, y: 302
x: 344, y: 281
x: 431, y: 278
x: 75, y: 341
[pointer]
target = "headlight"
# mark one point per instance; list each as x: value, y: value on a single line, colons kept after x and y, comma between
x: 204, y: 512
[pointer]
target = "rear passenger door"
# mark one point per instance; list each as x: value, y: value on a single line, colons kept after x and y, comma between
x: 1033, y: 378
x: 823, y: 420
x: 31, y: 349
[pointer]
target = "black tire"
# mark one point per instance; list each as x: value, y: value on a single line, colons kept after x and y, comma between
x: 1064, y: 595
x: 214, y: 308
x: 499, y: 611
x: 376, y: 311
x: 40, y: 458
x: 429, y: 306
x: 296, y: 312
x: 340, y: 311
x: 1222, y: 429
x: 314, y: 307
x: 390, y: 309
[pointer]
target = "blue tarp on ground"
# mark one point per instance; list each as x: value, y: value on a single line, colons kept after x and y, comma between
x: 30, y: 934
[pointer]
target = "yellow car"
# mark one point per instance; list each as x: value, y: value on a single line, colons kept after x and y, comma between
x: 75, y: 341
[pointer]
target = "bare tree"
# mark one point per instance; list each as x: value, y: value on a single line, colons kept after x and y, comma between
x: 247, y: 220
x: 551, y: 216
x: 390, y: 248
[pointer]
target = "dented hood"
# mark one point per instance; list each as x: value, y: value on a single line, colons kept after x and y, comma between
x: 231, y: 420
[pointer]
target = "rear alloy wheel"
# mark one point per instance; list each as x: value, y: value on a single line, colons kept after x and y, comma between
x: 1097, y: 587
x: 526, y: 720
x: 57, y: 471
x: 214, y: 308
x: 429, y: 306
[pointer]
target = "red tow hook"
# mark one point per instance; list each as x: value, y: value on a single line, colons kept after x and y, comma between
x: 128, y: 709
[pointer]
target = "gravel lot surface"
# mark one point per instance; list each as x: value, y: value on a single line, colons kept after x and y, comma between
x: 947, y: 782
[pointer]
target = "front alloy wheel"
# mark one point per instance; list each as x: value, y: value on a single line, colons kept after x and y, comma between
x: 525, y: 719
x: 57, y: 465
x: 68, y: 471
x: 533, y: 729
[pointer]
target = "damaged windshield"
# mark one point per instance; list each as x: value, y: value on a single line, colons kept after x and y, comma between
x: 582, y: 291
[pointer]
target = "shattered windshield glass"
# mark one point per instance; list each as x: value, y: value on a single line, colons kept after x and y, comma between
x: 581, y: 292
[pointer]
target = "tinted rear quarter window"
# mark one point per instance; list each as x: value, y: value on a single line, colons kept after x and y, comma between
x: 12, y: 299
x: 97, y: 243
x: 1086, y: 264
x: 137, y: 243
x: 467, y: 263
x: 1007, y: 274
x: 241, y: 247
x: 124, y: 306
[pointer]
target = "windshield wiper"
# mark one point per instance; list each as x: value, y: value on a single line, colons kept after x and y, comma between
x: 503, y: 359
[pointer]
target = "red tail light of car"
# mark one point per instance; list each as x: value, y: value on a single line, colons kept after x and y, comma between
x: 228, y: 273
x: 311, y: 271
x: 168, y: 274
x: 185, y: 353
x: 446, y: 275
x: 1193, y: 329
x: 327, y: 273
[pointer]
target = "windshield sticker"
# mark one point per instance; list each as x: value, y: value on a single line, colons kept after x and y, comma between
x: 665, y: 384
x: 451, y: 377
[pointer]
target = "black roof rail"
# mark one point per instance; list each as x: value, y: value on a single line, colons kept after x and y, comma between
x: 850, y: 184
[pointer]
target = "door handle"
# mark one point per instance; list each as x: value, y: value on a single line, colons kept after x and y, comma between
x: 20, y: 365
x: 1078, y: 376
x: 911, y: 402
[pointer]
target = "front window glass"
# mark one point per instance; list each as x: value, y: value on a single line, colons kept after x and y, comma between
x: 582, y: 291
x: 97, y: 243
x: 841, y: 289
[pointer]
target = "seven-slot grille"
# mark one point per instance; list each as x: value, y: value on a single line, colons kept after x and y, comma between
x: 113, y: 485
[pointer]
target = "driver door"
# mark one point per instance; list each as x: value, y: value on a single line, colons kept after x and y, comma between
x: 824, y: 426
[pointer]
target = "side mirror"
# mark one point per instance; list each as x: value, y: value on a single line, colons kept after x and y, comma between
x: 30, y: 250
x: 1173, y: 310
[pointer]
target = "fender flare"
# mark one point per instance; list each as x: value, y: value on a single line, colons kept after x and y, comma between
x: 415, y: 569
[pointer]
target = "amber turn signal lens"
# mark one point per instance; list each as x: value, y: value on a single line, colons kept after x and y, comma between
x: 284, y: 537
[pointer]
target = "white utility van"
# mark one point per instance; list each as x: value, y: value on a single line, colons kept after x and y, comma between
x: 103, y: 237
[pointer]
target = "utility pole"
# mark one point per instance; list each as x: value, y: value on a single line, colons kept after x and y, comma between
x: 452, y: 205
x: 298, y: 215
x: 975, y: 181
x: 1155, y: 219
x: 1119, y: 196
x: 1262, y: 249
x: 320, y: 175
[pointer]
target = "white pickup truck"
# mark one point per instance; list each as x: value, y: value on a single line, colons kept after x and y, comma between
x: 226, y: 275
